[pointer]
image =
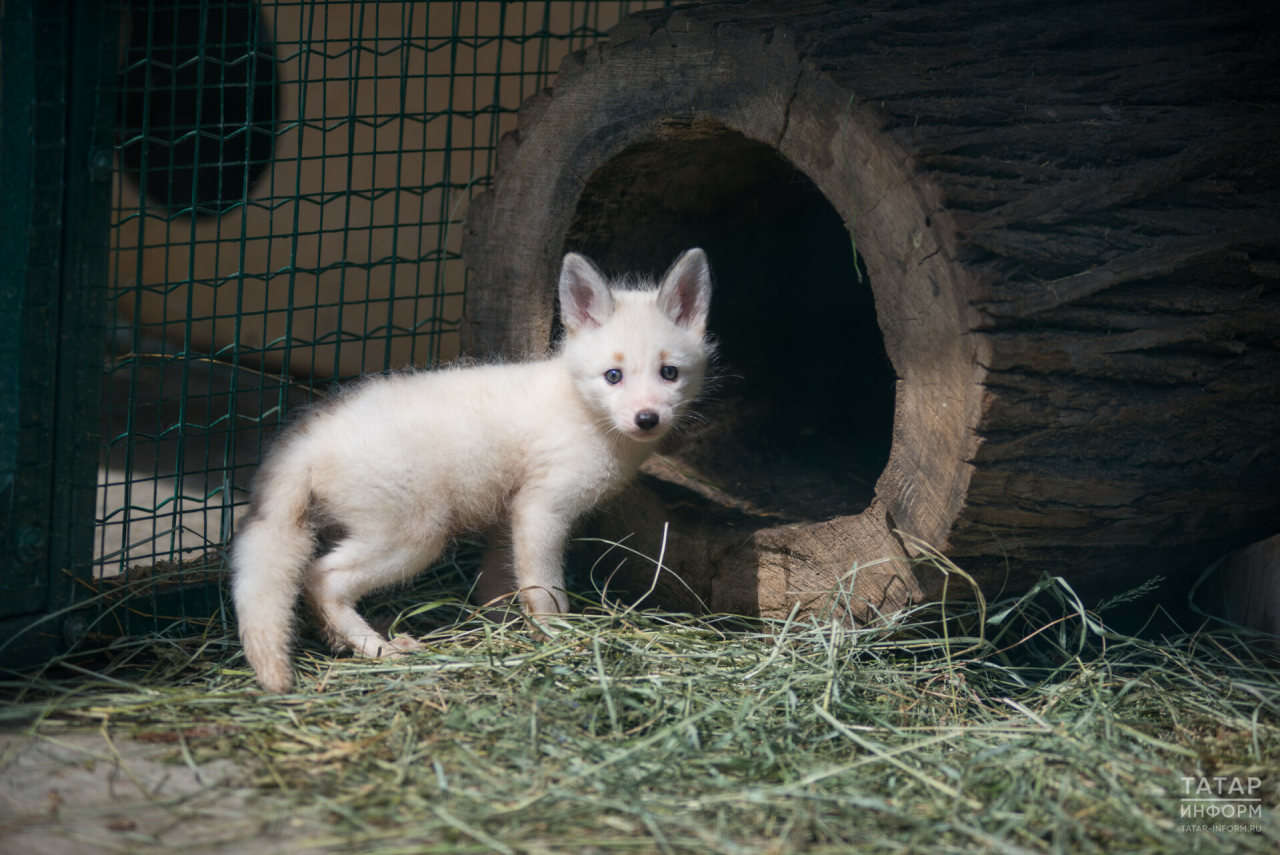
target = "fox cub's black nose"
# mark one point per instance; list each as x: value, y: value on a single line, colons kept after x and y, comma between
x: 646, y: 419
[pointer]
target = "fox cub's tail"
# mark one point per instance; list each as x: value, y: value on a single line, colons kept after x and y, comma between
x: 268, y: 559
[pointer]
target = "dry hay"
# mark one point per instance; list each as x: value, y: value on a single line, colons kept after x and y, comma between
x: 1021, y: 726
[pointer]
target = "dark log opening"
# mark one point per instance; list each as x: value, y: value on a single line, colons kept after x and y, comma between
x: 800, y: 419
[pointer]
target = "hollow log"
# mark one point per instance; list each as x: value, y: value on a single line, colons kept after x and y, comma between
x: 994, y: 279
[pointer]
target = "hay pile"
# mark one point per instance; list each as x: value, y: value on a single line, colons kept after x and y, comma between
x: 1020, y: 726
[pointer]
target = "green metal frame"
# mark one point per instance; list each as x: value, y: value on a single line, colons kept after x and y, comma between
x: 55, y: 131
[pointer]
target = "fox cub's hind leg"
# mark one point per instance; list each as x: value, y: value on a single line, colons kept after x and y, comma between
x: 355, y: 567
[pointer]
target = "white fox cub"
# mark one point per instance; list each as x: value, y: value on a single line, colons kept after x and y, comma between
x: 367, y: 490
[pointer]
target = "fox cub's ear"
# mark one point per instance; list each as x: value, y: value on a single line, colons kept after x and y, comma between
x: 685, y: 292
x: 585, y: 300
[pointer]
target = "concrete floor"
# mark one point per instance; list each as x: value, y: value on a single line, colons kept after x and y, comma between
x: 87, y: 791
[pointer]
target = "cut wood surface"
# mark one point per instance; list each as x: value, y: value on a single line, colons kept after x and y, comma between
x: 1244, y: 589
x: 1068, y: 220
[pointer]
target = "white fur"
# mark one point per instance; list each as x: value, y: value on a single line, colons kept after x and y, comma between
x: 403, y: 463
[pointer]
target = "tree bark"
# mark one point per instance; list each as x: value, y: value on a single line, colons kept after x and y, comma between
x: 1068, y: 216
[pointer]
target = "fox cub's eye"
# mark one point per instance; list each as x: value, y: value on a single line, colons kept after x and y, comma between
x: 613, y: 376
x: 669, y: 372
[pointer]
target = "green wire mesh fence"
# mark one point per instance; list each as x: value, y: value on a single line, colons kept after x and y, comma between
x: 286, y: 184
x: 289, y: 180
